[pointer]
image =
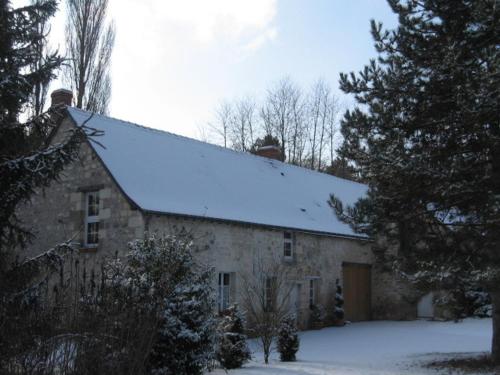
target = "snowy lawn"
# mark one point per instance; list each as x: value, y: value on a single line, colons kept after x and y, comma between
x: 376, y: 348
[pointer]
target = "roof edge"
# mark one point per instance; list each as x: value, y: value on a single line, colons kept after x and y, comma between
x: 240, y: 222
x: 106, y: 169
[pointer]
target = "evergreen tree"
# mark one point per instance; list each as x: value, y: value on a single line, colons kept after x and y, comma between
x: 186, y: 335
x: 426, y: 139
x: 339, y: 303
x: 233, y: 351
x: 27, y: 163
x: 267, y: 140
x: 341, y: 168
x: 288, y: 340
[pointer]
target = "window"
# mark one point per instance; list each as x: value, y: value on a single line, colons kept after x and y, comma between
x: 312, y: 294
x: 270, y: 294
x: 92, y: 218
x: 288, y: 245
x: 224, y: 290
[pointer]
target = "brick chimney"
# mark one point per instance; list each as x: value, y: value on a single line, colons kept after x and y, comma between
x: 61, y: 96
x: 271, y: 152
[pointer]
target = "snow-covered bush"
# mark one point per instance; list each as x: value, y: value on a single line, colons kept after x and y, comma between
x: 288, y: 340
x: 462, y: 302
x: 116, y: 324
x: 152, y: 313
x: 338, y: 313
x: 318, y: 314
x: 232, y: 351
x: 478, y: 303
x: 186, y: 336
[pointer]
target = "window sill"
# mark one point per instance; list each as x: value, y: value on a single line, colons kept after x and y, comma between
x: 88, y: 249
x: 289, y: 260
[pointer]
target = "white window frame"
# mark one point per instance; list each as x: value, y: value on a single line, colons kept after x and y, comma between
x: 288, y: 238
x: 224, y: 291
x: 91, y: 219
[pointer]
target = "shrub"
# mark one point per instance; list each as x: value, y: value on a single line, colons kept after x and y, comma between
x: 288, y: 340
x: 186, y: 336
x: 232, y: 351
x: 150, y: 315
x: 318, y: 313
x: 339, y: 304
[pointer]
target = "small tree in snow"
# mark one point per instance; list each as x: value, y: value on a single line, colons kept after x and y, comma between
x: 233, y: 351
x: 186, y: 334
x: 318, y: 315
x: 338, y: 313
x: 288, y: 340
x: 266, y: 296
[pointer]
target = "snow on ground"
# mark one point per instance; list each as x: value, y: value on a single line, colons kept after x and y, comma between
x: 376, y: 348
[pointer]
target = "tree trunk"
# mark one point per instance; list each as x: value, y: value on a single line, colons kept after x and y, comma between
x: 495, y: 345
x: 266, y: 356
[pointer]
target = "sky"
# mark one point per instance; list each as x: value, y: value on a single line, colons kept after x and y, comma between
x: 174, y: 61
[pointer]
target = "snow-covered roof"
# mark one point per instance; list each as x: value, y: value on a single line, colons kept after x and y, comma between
x: 167, y: 173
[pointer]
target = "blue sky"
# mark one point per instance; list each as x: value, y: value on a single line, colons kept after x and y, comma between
x: 174, y: 60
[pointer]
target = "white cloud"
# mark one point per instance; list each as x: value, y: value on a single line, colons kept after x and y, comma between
x: 210, y: 20
x: 260, y: 40
x: 171, y: 56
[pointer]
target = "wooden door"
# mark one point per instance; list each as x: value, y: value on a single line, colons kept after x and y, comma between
x: 357, y: 291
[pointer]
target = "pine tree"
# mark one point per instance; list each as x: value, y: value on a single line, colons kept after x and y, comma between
x: 267, y: 140
x: 339, y: 304
x: 341, y: 168
x: 186, y: 335
x: 233, y: 351
x: 27, y: 163
x: 426, y: 139
x: 288, y: 340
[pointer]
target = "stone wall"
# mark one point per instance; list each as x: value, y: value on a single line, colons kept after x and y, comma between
x: 393, y: 298
x: 56, y: 214
x: 238, y: 248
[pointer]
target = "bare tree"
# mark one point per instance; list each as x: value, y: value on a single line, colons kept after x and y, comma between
x: 89, y: 43
x: 332, y: 125
x: 266, y: 299
x: 324, y: 110
x: 305, y: 124
x: 296, y: 142
x: 234, y: 123
x: 318, y: 111
x: 43, y: 54
x: 243, y: 124
x: 278, y: 110
x: 224, y: 118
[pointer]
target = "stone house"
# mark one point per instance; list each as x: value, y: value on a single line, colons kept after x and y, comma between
x: 237, y: 206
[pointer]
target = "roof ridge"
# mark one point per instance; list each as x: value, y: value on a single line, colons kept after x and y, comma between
x: 241, y: 153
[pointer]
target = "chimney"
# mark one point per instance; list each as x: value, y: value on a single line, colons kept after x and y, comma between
x: 271, y: 152
x: 61, y: 96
